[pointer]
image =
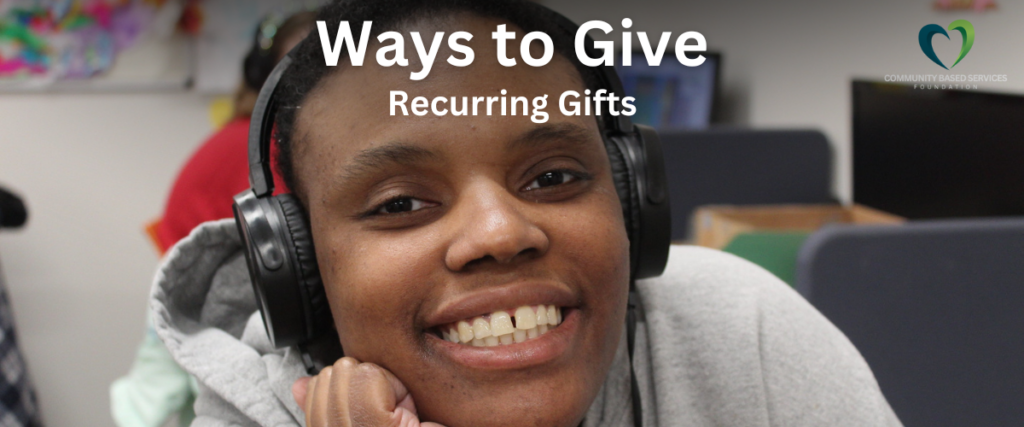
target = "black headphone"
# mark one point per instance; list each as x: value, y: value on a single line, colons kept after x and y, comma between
x: 279, y: 246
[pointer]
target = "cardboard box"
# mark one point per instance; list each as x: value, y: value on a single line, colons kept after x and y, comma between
x: 716, y: 226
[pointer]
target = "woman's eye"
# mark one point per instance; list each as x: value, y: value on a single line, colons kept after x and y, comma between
x: 400, y: 205
x: 552, y: 178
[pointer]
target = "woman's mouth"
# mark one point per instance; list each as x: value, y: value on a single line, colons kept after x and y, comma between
x: 513, y: 326
x: 503, y: 327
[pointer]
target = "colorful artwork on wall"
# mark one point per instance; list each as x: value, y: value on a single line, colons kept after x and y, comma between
x: 130, y: 45
x: 61, y: 40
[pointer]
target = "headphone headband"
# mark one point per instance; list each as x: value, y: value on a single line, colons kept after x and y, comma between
x: 265, y: 112
x: 261, y: 130
x: 647, y: 151
x: 280, y: 250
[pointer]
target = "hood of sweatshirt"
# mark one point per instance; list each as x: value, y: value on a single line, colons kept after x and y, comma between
x: 723, y: 343
x: 204, y: 310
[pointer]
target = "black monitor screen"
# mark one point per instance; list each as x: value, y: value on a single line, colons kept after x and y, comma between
x: 672, y: 95
x: 932, y: 153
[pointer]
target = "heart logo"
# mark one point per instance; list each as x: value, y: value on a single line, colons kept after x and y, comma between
x: 924, y: 37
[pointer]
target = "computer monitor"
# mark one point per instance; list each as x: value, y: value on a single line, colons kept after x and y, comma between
x: 672, y: 95
x: 934, y: 153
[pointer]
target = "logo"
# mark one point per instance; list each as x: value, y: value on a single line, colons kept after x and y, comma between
x: 924, y: 37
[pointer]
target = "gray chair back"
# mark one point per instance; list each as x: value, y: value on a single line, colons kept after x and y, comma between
x: 744, y: 167
x: 937, y: 310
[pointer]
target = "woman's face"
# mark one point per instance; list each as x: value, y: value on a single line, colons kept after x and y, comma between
x: 423, y: 223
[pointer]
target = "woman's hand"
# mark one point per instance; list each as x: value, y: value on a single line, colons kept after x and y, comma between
x: 353, y: 394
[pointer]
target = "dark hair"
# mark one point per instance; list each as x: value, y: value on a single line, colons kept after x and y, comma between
x: 308, y: 67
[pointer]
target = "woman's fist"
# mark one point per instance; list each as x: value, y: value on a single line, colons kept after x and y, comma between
x: 353, y: 394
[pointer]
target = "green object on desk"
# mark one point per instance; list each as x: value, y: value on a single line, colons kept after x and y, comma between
x: 774, y: 251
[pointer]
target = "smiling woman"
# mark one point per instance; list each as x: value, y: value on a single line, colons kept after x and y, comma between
x: 477, y: 271
x: 456, y: 223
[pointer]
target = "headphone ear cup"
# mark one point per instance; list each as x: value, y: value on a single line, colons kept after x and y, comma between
x: 624, y: 185
x: 638, y: 171
x: 283, y: 268
x: 307, y: 270
x: 651, y: 203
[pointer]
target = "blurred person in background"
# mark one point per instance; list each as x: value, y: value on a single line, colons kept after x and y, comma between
x: 18, y: 406
x: 156, y: 388
x: 12, y: 210
x: 219, y: 170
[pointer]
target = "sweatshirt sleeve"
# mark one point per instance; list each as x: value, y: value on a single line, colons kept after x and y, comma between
x: 731, y: 344
x: 813, y: 375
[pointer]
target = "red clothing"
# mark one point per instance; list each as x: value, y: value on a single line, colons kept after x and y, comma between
x: 205, y: 187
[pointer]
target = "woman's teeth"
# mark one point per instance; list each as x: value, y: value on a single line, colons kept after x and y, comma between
x: 500, y: 328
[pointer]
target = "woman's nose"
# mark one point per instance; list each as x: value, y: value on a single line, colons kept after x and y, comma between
x: 492, y: 226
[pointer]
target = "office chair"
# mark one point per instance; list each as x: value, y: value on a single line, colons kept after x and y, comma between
x: 744, y: 167
x: 937, y: 310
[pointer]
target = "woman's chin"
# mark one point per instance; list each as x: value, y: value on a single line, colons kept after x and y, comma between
x: 538, y: 382
x: 542, y: 409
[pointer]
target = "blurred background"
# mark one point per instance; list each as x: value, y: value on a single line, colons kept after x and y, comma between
x: 789, y: 126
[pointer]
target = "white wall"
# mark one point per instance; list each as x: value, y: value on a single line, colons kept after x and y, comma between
x: 94, y: 168
x: 790, y: 62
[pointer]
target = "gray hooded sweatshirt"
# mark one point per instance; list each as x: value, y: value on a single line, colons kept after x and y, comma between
x: 724, y: 343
